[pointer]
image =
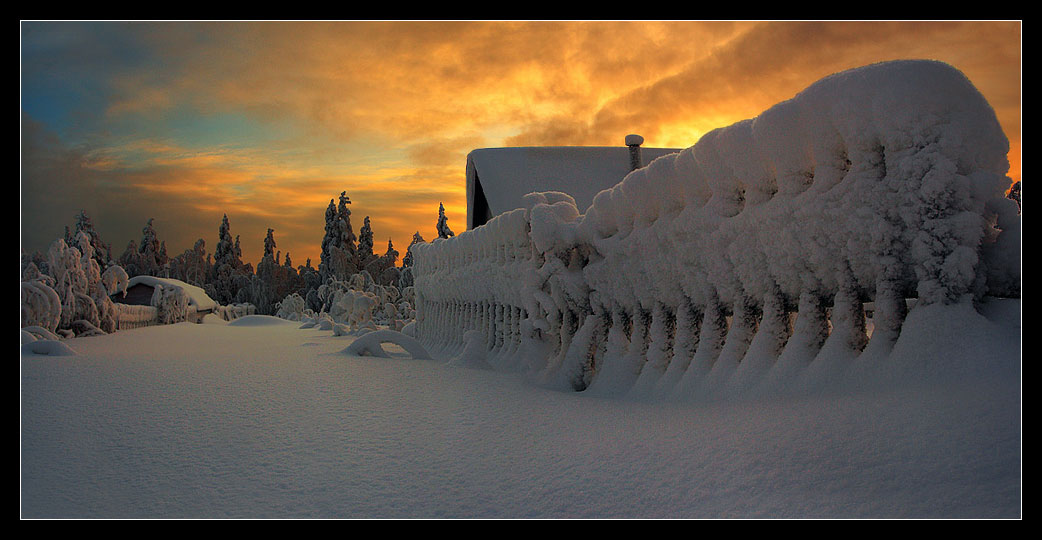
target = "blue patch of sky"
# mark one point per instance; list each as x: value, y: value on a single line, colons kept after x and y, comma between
x: 66, y: 68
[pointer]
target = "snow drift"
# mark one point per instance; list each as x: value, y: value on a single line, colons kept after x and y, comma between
x: 747, y: 259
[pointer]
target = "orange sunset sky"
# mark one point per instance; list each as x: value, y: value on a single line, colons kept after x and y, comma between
x: 267, y: 121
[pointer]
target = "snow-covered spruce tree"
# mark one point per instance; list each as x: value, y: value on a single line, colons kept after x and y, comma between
x: 365, y: 244
x: 153, y: 251
x: 443, y: 223
x: 344, y: 214
x: 383, y: 268
x: 225, y: 252
x: 405, y: 277
x: 229, y: 275
x: 269, y: 244
x: 346, y: 262
x: 311, y: 280
x: 130, y: 260
x: 273, y: 281
x: 192, y: 266
x: 147, y: 257
x: 328, y: 240
x: 416, y: 239
x: 102, y: 251
x: 339, y: 257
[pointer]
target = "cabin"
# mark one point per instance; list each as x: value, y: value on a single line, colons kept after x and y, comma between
x: 140, y: 291
x: 498, y: 178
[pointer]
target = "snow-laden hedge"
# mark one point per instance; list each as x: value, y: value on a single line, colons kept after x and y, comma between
x: 873, y: 185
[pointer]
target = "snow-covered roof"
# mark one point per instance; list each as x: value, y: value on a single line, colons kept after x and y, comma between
x: 505, y: 175
x: 197, y: 297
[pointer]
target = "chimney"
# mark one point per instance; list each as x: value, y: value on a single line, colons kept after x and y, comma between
x: 634, y: 142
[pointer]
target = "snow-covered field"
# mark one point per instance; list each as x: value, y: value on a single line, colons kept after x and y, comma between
x: 261, y: 419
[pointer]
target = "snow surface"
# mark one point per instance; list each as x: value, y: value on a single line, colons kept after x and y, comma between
x: 270, y: 420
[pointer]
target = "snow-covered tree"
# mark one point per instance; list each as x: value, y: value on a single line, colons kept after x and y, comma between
x: 269, y: 244
x: 102, y: 251
x: 347, y: 236
x: 328, y: 239
x: 229, y: 275
x: 273, y: 281
x: 405, y: 276
x: 443, y: 223
x: 311, y: 280
x: 225, y: 252
x: 147, y: 257
x: 365, y: 244
x: 192, y: 266
x: 291, y: 308
x: 416, y: 239
x: 83, y: 303
x: 383, y: 268
x: 339, y: 254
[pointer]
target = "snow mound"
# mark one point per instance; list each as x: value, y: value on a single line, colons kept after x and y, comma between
x: 213, y: 318
x: 473, y: 355
x: 369, y: 344
x: 259, y: 320
x: 47, y: 347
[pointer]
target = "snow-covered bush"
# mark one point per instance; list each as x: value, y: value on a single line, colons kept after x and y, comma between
x: 41, y: 305
x: 355, y: 308
x: 291, y: 308
x: 171, y: 302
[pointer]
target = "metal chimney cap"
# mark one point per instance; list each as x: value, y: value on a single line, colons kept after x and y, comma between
x: 634, y: 140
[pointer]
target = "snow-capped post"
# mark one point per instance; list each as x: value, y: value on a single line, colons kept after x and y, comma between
x: 634, y: 141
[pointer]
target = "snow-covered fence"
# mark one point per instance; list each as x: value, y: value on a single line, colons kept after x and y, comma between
x: 235, y: 311
x: 750, y: 253
x: 471, y: 282
x: 135, y: 316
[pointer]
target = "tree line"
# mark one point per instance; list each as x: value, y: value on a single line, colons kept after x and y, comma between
x: 228, y: 280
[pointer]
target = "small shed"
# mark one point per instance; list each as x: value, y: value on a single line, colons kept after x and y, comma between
x: 498, y: 178
x: 141, y: 290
